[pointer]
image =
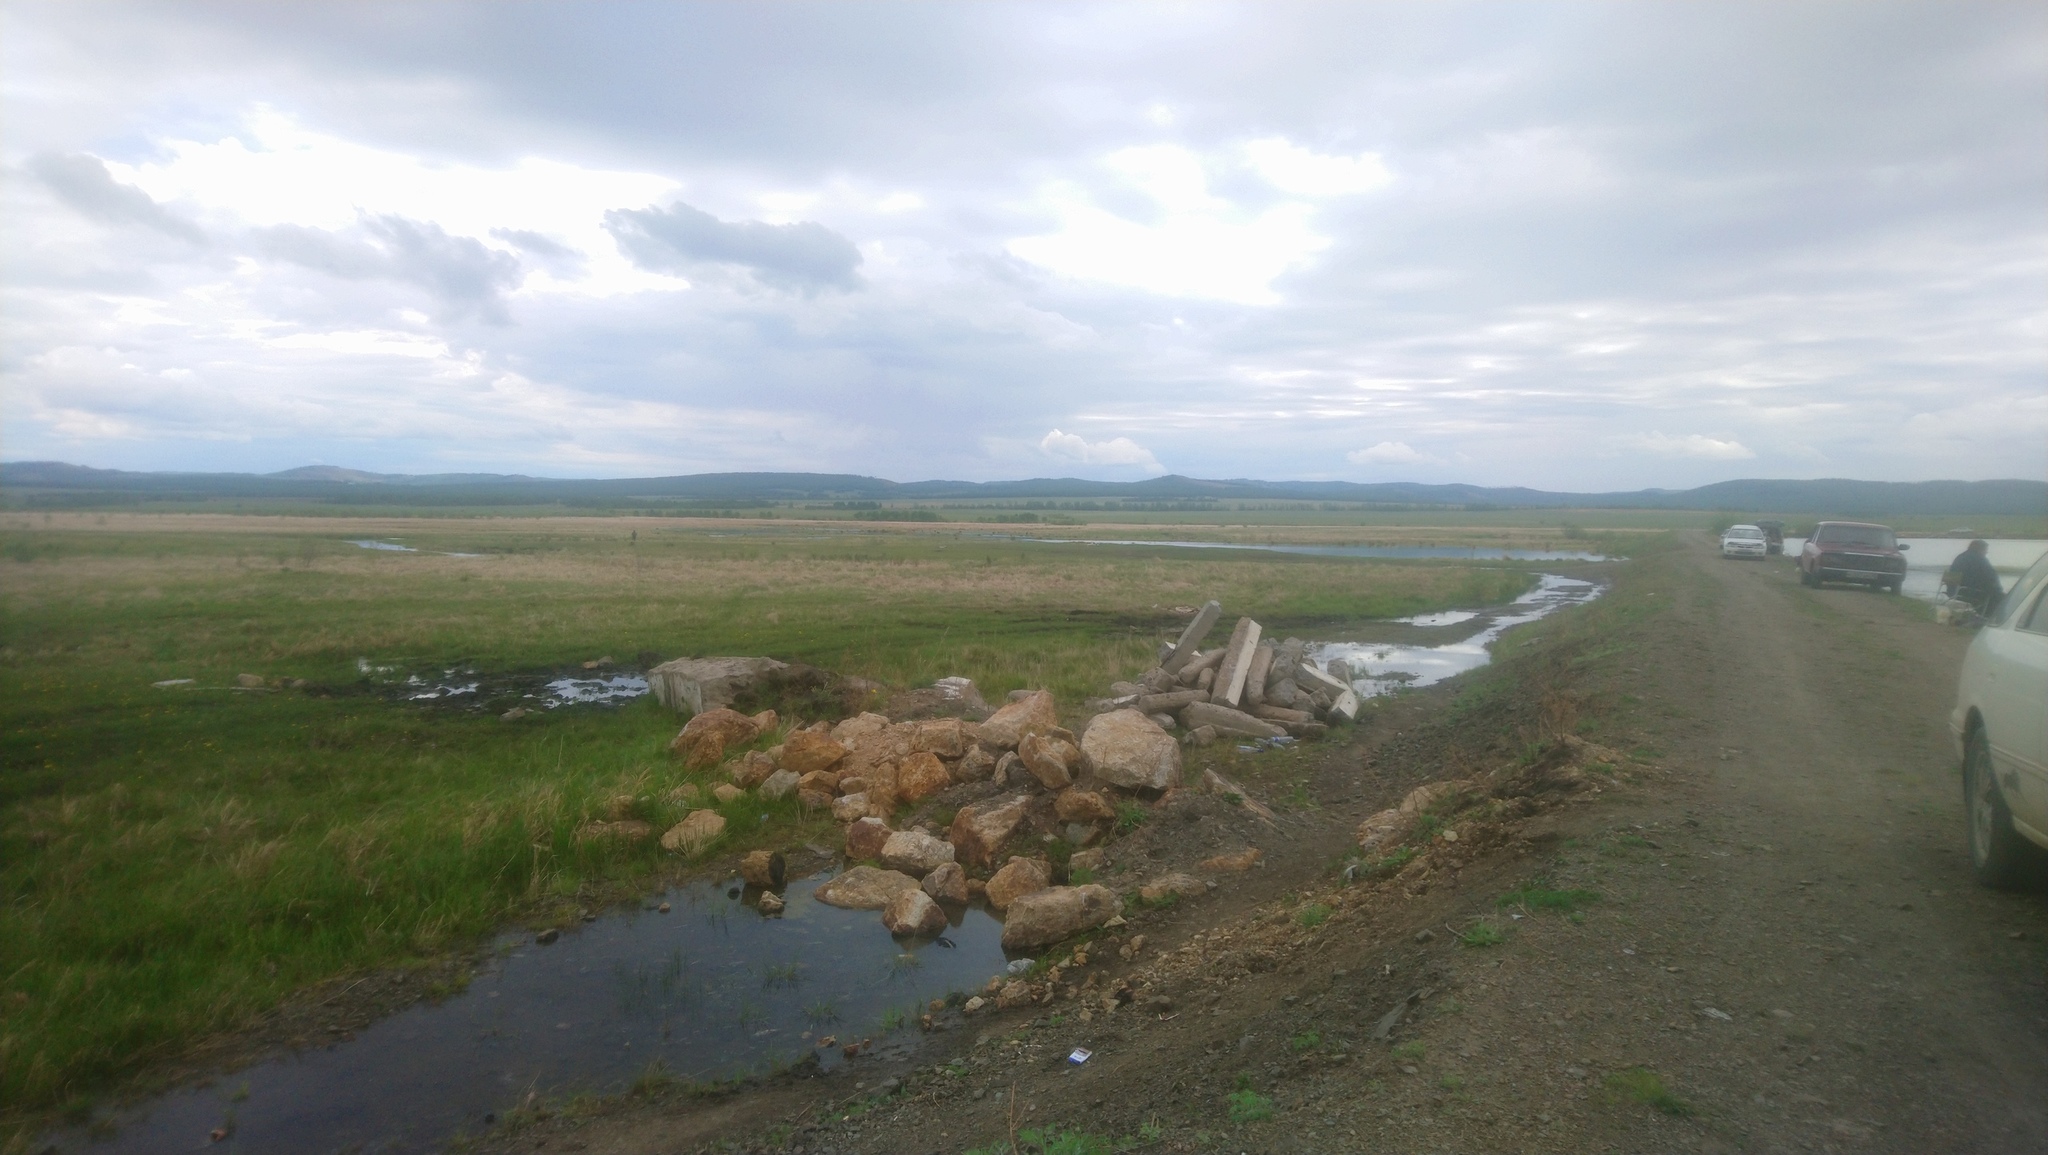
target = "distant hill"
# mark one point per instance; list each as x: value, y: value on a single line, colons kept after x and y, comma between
x: 56, y: 483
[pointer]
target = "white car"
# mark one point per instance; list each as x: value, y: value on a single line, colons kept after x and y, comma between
x: 1744, y: 541
x: 2000, y: 725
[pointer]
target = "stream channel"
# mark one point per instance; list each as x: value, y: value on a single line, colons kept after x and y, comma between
x: 711, y: 989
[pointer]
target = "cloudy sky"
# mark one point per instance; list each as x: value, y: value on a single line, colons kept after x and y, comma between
x: 1574, y: 246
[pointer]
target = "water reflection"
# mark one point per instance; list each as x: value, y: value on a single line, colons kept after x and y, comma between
x: 712, y: 990
x: 1382, y: 668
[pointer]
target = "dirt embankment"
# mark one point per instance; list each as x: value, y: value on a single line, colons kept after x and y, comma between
x: 1758, y: 933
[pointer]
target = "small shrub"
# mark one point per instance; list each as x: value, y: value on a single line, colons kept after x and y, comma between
x: 1129, y: 816
x: 1313, y: 915
x: 1412, y: 1050
x: 1482, y: 935
x: 1305, y: 1041
x: 1248, y: 1106
x: 1642, y: 1085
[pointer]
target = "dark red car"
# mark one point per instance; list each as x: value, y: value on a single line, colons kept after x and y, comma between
x: 1853, y: 551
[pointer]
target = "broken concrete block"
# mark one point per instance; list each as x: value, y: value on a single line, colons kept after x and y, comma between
x: 1189, y: 673
x: 1227, y: 721
x: 700, y: 684
x: 1255, y: 674
x: 1346, y: 706
x: 1191, y: 638
x: 1237, y: 660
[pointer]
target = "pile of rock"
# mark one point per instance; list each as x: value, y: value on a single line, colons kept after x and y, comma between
x: 1247, y: 687
x: 1017, y: 777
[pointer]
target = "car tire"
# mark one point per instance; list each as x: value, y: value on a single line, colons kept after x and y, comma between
x: 1998, y: 855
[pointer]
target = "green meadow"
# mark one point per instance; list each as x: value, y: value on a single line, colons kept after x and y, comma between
x: 177, y: 860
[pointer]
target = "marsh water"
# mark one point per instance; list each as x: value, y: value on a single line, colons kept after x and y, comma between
x: 1438, y: 552
x: 711, y: 989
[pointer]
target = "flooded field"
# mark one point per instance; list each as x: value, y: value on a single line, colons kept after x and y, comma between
x: 711, y: 989
x: 1382, y: 668
x: 1412, y: 552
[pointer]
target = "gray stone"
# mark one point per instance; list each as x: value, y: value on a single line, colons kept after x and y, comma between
x: 1164, y: 721
x: 1191, y: 638
x: 914, y: 852
x: 1227, y: 721
x: 1283, y: 693
x: 780, y: 785
x: 1129, y: 750
x: 913, y: 912
x: 1045, y: 917
x: 700, y: 684
x: 864, y: 888
x: 947, y: 883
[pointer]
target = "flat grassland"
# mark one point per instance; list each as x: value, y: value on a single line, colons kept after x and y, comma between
x: 177, y: 860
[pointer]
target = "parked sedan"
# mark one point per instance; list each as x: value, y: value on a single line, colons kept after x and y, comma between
x: 2000, y: 725
x: 1744, y: 541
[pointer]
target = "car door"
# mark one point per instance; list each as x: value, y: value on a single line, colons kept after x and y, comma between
x: 2017, y: 713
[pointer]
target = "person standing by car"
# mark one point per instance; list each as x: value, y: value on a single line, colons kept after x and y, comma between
x: 1973, y: 579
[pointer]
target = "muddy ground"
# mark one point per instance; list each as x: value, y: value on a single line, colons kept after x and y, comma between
x: 1780, y: 947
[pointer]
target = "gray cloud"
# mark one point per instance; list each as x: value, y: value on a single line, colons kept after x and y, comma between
x: 548, y: 253
x: 464, y: 276
x: 84, y: 183
x: 805, y: 256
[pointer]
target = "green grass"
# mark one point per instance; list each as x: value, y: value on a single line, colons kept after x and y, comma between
x: 1483, y: 934
x: 174, y: 862
x: 1248, y: 1106
x: 1305, y: 1041
x: 1644, y: 1086
x: 1313, y: 915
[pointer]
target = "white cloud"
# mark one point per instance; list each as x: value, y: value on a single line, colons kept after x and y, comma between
x: 1116, y: 451
x: 1389, y: 453
x: 1198, y: 245
x: 1691, y: 445
x: 1292, y: 168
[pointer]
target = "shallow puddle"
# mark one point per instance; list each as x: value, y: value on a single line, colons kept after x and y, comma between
x: 709, y: 990
x: 1382, y: 667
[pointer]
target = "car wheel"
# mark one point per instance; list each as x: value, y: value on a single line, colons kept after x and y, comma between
x: 1998, y: 855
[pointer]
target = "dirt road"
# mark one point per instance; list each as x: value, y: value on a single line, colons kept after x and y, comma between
x: 1775, y: 943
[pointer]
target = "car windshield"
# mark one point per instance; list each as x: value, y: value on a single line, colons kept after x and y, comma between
x: 2034, y: 576
x: 1871, y: 535
x: 1747, y: 531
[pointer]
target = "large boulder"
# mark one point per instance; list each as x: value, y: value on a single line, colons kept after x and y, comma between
x: 752, y: 769
x: 763, y: 868
x: 920, y: 776
x: 864, y: 888
x: 1017, y: 878
x: 1082, y: 806
x: 945, y: 737
x: 697, y: 830
x: 1050, y: 759
x: 1034, y: 713
x: 913, y: 912
x: 974, y: 766
x: 947, y: 883
x: 1131, y: 751
x: 704, y: 684
x: 865, y: 839
x: 706, y: 737
x: 980, y: 830
x: 1045, y: 917
x: 808, y: 751
x: 915, y: 852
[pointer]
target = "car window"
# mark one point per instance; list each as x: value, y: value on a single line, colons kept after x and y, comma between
x: 2021, y: 590
x: 1866, y: 535
x: 2037, y: 618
